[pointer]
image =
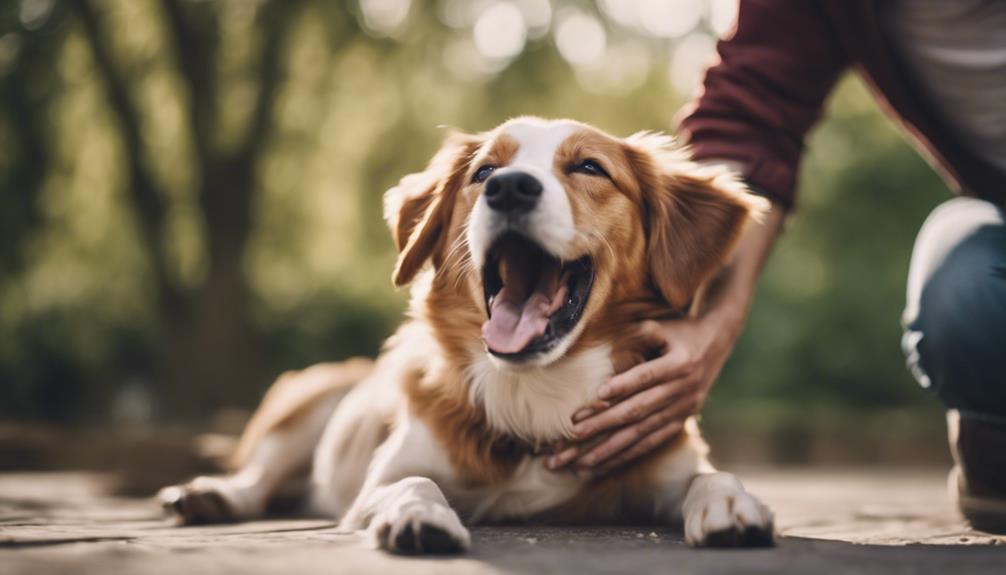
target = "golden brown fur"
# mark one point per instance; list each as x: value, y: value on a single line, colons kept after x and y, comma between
x: 659, y: 234
x: 656, y: 229
x: 480, y: 455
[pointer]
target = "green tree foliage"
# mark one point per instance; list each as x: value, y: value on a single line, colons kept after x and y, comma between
x: 191, y: 190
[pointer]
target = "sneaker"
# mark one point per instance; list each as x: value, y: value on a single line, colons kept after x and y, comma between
x: 978, y: 480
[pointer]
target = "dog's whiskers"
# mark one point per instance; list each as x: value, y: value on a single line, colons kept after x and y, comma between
x: 459, y: 243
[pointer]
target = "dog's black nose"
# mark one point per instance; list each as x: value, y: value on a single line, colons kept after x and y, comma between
x: 516, y: 192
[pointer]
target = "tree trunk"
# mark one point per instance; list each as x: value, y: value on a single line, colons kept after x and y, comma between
x: 211, y: 354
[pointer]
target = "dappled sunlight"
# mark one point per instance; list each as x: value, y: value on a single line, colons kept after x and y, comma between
x: 385, y: 17
x: 500, y: 31
x: 689, y: 61
x: 580, y: 37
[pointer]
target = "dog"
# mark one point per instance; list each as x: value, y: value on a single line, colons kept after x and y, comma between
x: 533, y: 252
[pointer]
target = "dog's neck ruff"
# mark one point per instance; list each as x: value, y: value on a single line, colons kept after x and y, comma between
x: 536, y: 404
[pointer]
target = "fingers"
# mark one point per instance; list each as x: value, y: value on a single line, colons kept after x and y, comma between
x: 563, y: 457
x: 625, y: 438
x: 652, y: 441
x: 591, y: 408
x: 644, y: 375
x: 630, y: 442
x: 637, y: 440
x: 632, y: 410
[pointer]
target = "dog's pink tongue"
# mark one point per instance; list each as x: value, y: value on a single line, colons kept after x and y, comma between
x: 518, y: 318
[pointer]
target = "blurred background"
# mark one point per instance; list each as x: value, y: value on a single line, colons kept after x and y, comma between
x: 190, y: 203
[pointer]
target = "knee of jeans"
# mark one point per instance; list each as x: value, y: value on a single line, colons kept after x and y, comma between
x: 958, y: 308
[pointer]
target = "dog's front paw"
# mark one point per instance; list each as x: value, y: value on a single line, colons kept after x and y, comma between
x: 726, y: 515
x: 201, y: 501
x: 420, y: 527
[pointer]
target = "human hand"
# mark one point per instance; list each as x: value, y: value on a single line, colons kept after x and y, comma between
x: 647, y: 405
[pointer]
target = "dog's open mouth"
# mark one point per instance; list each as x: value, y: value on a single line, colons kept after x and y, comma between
x: 533, y: 299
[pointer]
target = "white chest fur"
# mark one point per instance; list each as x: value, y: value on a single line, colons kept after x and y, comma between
x: 536, y: 403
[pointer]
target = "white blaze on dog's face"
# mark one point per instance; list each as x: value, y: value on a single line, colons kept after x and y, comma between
x: 521, y: 233
x: 543, y: 225
x: 524, y: 196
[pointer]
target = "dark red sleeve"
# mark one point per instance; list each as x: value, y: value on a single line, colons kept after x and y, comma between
x: 768, y: 89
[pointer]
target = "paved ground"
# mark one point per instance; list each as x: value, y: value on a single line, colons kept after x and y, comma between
x: 833, y: 521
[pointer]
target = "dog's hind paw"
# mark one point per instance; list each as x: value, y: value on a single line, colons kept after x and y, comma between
x: 198, y: 502
x: 421, y: 528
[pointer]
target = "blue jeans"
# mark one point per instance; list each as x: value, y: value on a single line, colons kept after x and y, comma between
x: 955, y: 315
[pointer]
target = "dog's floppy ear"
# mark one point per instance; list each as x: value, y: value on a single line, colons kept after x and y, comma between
x: 418, y: 210
x: 695, y: 215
